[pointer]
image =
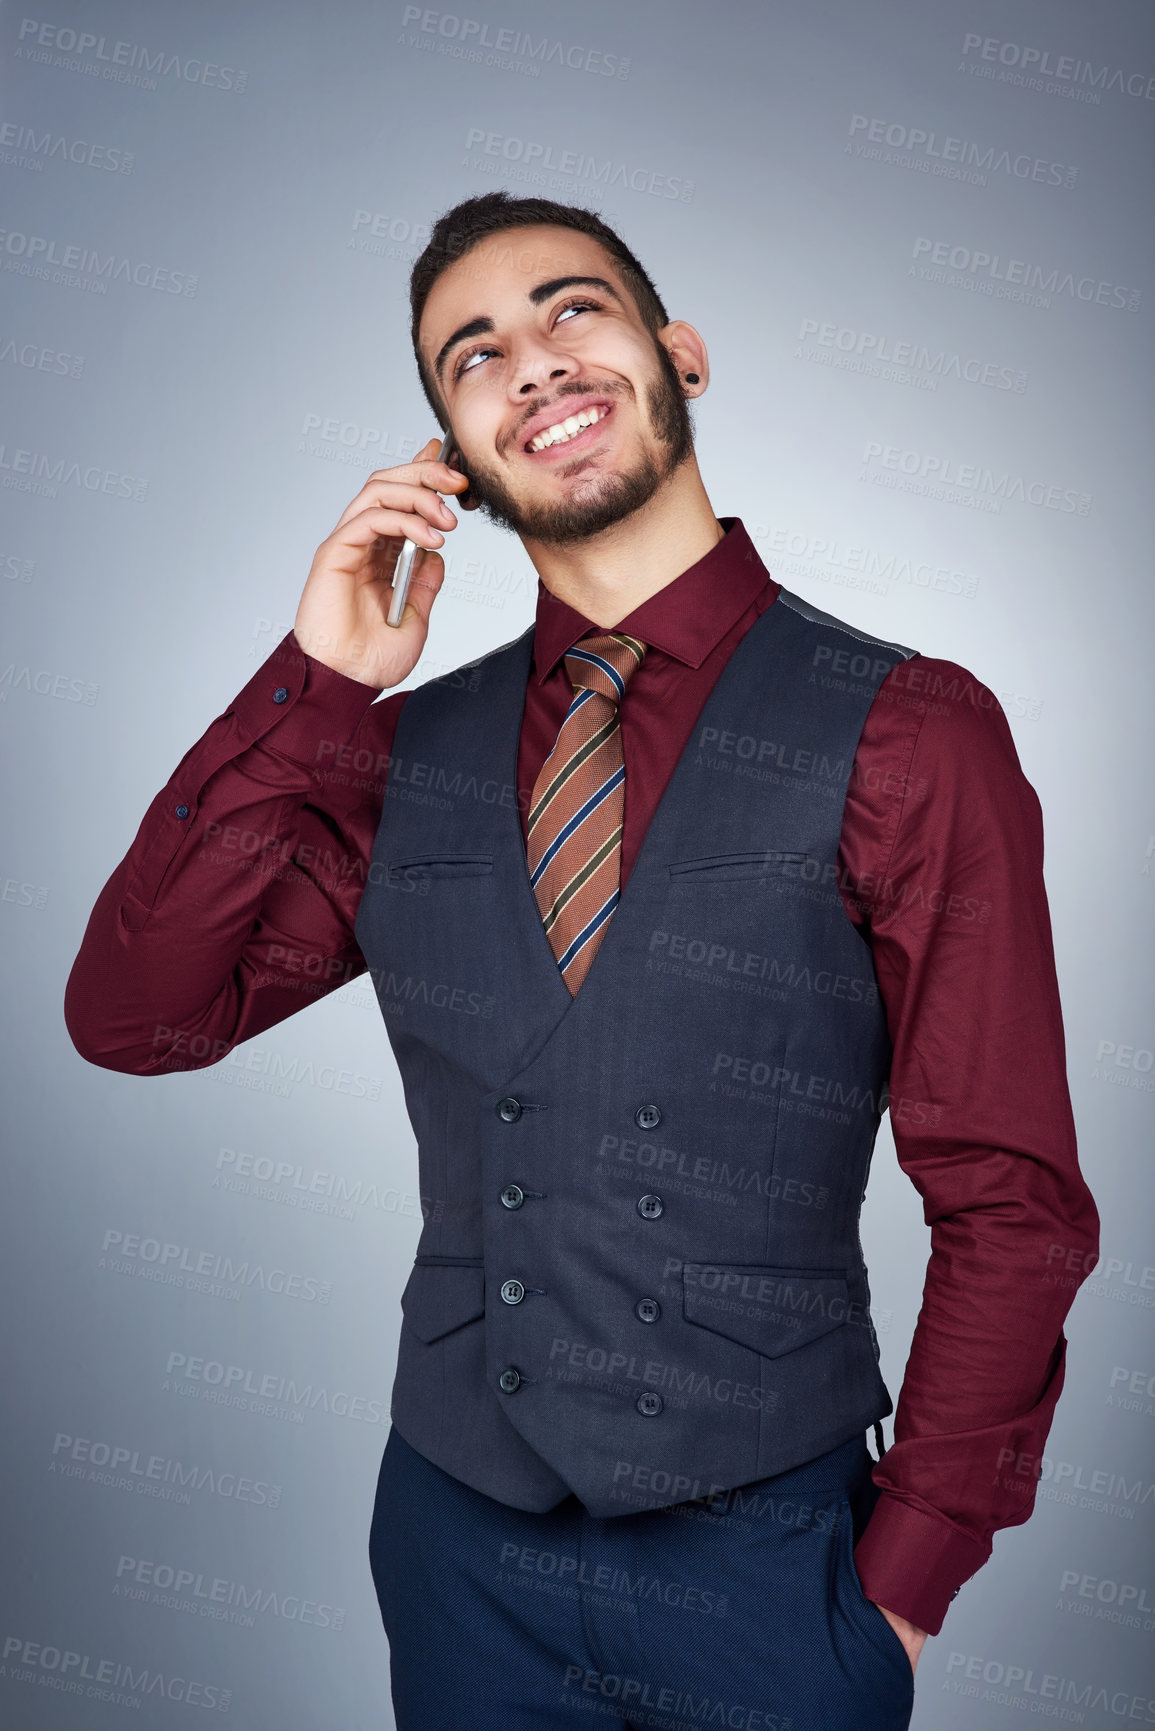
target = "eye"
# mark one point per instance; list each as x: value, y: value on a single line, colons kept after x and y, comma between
x: 465, y: 363
x: 577, y: 307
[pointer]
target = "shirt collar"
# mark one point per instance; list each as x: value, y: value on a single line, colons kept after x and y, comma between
x: 687, y: 619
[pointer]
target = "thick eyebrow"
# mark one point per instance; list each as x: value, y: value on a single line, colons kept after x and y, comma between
x: 542, y: 292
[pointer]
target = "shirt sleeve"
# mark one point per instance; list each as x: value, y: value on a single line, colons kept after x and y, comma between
x: 234, y: 906
x: 942, y: 867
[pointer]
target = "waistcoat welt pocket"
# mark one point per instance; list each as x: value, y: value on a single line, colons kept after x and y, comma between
x: 446, y: 865
x: 770, y: 1310
x: 442, y: 1296
x: 720, y: 867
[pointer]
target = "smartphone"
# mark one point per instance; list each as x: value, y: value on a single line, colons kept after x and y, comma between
x: 403, y: 570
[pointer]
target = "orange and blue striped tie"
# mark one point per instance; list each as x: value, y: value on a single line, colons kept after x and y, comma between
x: 574, y: 842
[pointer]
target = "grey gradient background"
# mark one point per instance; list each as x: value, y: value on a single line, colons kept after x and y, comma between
x: 279, y: 165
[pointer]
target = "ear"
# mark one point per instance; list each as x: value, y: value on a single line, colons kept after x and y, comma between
x: 461, y: 501
x: 686, y: 349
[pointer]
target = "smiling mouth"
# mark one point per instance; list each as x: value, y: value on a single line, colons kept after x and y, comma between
x: 576, y: 430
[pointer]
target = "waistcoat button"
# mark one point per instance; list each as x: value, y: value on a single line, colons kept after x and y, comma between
x: 647, y: 1310
x: 512, y: 1196
x: 649, y: 1207
x: 649, y: 1404
x: 513, y: 1292
x: 647, y: 1117
x: 509, y: 1109
x: 509, y: 1380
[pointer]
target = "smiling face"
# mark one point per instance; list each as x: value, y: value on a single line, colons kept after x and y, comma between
x: 569, y: 413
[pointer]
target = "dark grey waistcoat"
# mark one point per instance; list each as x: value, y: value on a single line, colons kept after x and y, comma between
x: 640, y: 1275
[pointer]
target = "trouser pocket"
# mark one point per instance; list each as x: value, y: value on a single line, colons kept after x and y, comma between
x: 878, y: 1637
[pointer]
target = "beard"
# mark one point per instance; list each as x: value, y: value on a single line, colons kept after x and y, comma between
x: 604, y: 499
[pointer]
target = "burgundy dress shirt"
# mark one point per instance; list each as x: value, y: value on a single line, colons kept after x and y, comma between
x: 234, y: 908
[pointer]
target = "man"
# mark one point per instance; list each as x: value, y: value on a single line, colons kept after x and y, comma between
x: 664, y: 902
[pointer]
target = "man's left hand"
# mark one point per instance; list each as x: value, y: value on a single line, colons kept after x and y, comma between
x: 912, y: 1637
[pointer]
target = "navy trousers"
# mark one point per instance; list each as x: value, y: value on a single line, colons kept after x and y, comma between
x: 742, y: 1611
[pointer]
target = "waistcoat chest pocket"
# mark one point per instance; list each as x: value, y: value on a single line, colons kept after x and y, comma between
x: 727, y: 867
x: 442, y: 1296
x: 770, y: 1310
x: 427, y: 867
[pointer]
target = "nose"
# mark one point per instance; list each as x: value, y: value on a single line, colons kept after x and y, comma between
x: 537, y: 361
x: 532, y: 380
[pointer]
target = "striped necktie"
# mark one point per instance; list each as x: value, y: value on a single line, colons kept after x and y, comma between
x: 574, y: 843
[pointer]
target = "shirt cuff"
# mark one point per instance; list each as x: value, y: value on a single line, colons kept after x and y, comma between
x: 914, y: 1562
x: 301, y: 709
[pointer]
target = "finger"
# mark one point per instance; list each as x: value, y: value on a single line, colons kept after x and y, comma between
x: 400, y: 496
x: 392, y: 487
x: 426, y: 580
x: 424, y: 454
x: 379, y: 521
x: 442, y: 476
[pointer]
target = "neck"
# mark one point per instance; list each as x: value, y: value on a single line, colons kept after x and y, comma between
x: 605, y: 577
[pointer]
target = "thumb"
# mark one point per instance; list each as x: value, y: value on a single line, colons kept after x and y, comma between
x: 424, y: 584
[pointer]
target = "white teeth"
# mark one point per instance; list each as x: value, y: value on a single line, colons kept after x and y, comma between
x: 563, y: 430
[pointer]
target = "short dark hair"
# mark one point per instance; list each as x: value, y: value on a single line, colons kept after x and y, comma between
x: 490, y: 213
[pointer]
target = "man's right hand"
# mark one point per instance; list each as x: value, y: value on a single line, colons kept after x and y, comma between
x: 342, y: 616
